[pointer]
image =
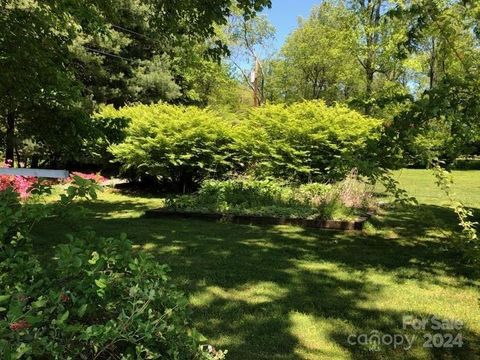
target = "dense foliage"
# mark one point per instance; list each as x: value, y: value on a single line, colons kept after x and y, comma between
x: 370, y: 85
x: 173, y: 144
x: 82, y: 53
x: 93, y: 299
x: 442, y: 124
x: 246, y: 196
x: 310, y: 141
x: 303, y: 142
x: 399, y: 61
x: 412, y: 63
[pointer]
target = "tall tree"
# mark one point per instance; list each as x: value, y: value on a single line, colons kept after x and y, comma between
x: 249, y: 41
x: 377, y: 50
x: 442, y: 122
x: 317, y: 59
x: 34, y: 59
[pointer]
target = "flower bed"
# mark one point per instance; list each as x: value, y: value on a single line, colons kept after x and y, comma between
x: 245, y: 200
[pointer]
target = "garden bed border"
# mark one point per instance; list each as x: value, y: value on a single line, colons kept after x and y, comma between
x: 345, y: 225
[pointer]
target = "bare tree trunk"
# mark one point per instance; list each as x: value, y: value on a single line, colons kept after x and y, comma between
x: 256, y: 93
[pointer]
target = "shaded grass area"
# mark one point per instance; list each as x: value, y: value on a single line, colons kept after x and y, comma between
x: 285, y: 292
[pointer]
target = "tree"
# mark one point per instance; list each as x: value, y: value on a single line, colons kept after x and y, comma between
x: 116, y: 66
x: 316, y: 61
x: 347, y: 51
x: 378, y: 44
x: 34, y: 61
x: 249, y: 41
x: 215, y: 85
x: 442, y: 122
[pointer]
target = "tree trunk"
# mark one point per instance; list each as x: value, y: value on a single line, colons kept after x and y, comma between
x: 10, y: 138
x: 433, y: 61
x: 256, y: 90
x: 373, y: 39
x: 34, y: 163
x: 368, y: 91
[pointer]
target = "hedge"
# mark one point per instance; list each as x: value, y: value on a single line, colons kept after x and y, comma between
x: 304, y: 142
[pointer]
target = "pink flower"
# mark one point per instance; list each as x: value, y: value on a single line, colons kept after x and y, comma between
x: 20, y: 325
x: 90, y: 176
x: 64, y: 297
x: 19, y: 184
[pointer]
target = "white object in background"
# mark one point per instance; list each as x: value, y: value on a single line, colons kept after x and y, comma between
x: 41, y: 173
x: 253, y: 76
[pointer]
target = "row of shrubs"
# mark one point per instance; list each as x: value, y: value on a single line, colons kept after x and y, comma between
x: 304, y: 142
x: 245, y: 196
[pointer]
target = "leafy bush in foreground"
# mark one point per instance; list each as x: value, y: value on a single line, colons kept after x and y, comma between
x: 303, y: 142
x: 93, y: 300
x: 247, y: 196
x: 101, y: 303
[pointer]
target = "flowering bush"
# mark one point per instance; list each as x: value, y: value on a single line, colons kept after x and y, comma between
x: 93, y: 300
x: 20, y: 184
x: 89, y: 176
x: 23, y: 185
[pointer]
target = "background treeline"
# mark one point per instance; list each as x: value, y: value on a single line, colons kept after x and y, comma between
x: 412, y: 64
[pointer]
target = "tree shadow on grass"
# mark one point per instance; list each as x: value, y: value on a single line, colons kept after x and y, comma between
x: 290, y: 293
x: 422, y: 220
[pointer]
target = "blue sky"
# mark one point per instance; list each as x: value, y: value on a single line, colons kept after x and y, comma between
x: 284, y: 15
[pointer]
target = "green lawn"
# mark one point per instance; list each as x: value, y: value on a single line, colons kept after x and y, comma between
x: 421, y: 184
x: 284, y: 292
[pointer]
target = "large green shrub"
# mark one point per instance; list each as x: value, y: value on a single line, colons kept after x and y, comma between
x: 174, y: 144
x: 304, y: 142
x: 310, y: 141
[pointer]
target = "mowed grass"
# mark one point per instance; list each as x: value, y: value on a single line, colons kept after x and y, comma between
x: 421, y: 184
x: 283, y: 292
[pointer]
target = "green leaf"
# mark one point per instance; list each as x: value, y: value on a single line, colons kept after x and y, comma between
x: 34, y: 319
x: 41, y: 302
x: 101, y: 283
x: 94, y: 259
x: 63, y: 317
x: 93, y: 193
x: 71, y: 191
x: 22, y: 349
x: 82, y: 310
